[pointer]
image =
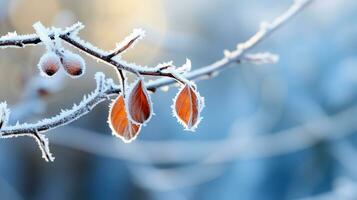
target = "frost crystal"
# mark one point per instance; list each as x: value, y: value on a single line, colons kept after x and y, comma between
x: 4, y: 114
x: 130, y: 40
x: 42, y: 32
x: 44, y: 146
x: 185, y: 67
x: 262, y: 58
x: 74, y: 29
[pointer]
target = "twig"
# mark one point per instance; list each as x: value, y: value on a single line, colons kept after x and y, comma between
x: 44, y: 146
x: 265, y: 30
x: 70, y: 36
x: 14, y: 40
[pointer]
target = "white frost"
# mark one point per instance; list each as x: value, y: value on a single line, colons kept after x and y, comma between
x: 4, y: 114
x: 42, y: 32
x: 133, y: 38
x: 185, y: 67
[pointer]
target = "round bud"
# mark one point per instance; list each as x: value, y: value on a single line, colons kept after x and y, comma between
x: 49, y: 64
x: 73, y: 64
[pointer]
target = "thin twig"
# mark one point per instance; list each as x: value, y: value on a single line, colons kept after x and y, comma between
x: 265, y: 30
x: 121, y: 49
x: 44, y: 146
x: 14, y: 40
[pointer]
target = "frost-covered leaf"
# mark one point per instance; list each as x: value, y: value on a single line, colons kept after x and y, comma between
x: 139, y: 103
x: 49, y: 64
x: 73, y: 64
x: 119, y: 122
x: 187, y: 107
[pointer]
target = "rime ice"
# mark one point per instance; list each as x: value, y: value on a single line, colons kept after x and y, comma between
x: 4, y: 114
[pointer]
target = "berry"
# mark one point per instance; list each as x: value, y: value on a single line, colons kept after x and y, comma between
x: 49, y: 64
x: 73, y: 64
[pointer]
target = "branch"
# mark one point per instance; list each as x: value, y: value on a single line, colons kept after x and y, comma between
x: 70, y: 35
x: 239, y: 54
x: 106, y: 87
x: 127, y: 42
x: 14, y: 40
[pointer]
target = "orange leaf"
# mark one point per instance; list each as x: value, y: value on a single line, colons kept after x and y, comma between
x: 139, y: 104
x: 187, y: 107
x: 119, y: 122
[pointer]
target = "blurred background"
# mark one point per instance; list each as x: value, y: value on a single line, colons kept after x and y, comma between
x: 279, y: 131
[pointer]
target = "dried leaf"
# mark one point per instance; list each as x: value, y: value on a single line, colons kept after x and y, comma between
x: 118, y: 121
x: 187, y: 107
x: 139, y: 103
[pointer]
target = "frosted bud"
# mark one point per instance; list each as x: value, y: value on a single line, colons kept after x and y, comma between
x: 49, y: 64
x: 73, y: 64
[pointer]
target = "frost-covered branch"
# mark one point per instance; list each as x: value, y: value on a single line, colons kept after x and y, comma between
x: 240, y: 54
x: 106, y: 87
x: 112, y: 58
x: 12, y: 39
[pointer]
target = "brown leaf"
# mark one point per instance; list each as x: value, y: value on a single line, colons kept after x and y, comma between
x: 119, y: 122
x: 187, y: 107
x: 139, y: 105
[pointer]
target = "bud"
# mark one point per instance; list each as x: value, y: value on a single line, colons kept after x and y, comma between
x: 49, y: 64
x: 73, y: 64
